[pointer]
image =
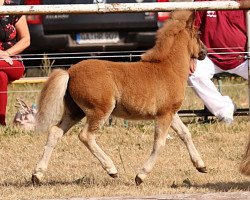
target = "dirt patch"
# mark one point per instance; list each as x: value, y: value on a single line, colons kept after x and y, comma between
x: 207, y: 196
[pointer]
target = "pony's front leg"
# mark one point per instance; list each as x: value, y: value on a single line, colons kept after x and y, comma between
x: 186, y: 137
x: 87, y: 136
x: 161, y: 129
x: 55, y: 133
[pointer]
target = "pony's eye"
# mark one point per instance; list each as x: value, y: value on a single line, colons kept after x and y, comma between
x: 198, y: 33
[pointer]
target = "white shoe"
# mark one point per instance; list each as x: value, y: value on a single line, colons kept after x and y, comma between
x: 227, y: 120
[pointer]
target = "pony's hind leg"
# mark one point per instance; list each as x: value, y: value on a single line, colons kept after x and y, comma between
x: 87, y: 136
x: 55, y: 133
x: 186, y: 137
x: 161, y: 130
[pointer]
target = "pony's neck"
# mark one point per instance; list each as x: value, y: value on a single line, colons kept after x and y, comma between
x: 159, y: 52
x: 179, y: 56
x: 173, y: 47
x: 175, y: 58
x: 173, y: 50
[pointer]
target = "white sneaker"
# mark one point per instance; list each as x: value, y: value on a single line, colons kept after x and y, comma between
x: 227, y: 120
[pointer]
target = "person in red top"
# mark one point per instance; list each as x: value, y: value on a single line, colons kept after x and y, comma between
x: 224, y: 34
x: 14, y: 38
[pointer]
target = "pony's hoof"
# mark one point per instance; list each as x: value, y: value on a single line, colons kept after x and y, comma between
x: 202, y: 169
x: 138, y: 180
x: 35, y: 180
x: 114, y: 175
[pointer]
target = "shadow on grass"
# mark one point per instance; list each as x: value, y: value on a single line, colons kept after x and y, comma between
x: 86, y: 182
x: 29, y: 184
x: 218, y: 186
x: 226, y: 186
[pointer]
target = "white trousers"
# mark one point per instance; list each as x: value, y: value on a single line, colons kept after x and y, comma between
x: 220, y: 106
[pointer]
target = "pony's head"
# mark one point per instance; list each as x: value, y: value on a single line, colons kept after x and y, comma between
x: 180, y: 24
x: 195, y: 45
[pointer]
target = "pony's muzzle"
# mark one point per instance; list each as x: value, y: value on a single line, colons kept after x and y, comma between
x: 202, y: 54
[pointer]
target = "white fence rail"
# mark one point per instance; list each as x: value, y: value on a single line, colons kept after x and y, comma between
x: 123, y: 7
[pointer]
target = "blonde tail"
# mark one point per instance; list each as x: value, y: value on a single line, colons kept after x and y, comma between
x: 245, y: 163
x: 51, y: 100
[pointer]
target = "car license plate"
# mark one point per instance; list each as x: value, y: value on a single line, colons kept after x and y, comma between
x: 97, y: 37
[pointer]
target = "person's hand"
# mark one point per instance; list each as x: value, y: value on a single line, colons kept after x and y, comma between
x: 193, y: 63
x: 6, y: 57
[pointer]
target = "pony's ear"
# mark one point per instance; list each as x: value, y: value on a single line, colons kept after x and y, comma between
x: 191, y: 19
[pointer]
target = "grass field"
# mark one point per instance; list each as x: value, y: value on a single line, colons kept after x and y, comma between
x: 74, y: 172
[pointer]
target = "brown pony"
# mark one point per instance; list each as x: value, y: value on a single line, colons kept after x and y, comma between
x: 151, y: 89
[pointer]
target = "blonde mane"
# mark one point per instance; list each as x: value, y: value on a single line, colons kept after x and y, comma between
x: 165, y: 36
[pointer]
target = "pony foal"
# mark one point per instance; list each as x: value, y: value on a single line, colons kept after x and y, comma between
x: 151, y: 89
